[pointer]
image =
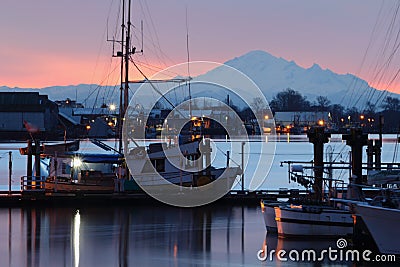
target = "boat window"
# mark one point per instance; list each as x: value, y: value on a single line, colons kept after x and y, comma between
x: 157, y: 164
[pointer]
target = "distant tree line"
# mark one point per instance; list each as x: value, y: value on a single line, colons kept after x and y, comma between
x: 292, y: 100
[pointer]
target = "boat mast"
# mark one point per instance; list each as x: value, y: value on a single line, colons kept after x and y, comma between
x: 121, y: 102
x: 127, y: 54
x: 124, y: 88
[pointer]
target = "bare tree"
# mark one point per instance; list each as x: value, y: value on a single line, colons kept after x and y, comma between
x: 323, y: 103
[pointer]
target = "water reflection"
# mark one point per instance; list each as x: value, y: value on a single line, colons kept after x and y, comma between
x: 139, y: 236
x: 76, y: 224
x: 308, y: 251
x: 130, y: 236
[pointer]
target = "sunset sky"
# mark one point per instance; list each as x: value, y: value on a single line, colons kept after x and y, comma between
x: 63, y: 42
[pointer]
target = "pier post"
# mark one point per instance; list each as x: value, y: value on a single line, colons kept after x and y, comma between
x: 29, y: 166
x: 318, y: 137
x: 243, y: 144
x: 370, y: 154
x: 207, y: 154
x: 37, y: 163
x: 9, y: 171
x: 378, y: 154
x: 356, y: 140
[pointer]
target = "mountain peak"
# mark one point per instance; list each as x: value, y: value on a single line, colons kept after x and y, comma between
x: 274, y: 74
x: 315, y: 66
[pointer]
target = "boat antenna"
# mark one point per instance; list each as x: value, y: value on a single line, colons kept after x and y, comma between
x: 141, y: 29
x: 188, y: 63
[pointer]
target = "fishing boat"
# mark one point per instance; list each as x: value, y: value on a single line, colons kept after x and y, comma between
x: 382, y: 214
x: 154, y: 164
x: 382, y: 224
x: 310, y: 216
x: 74, y: 172
x: 308, y: 220
x: 268, y: 212
x: 180, y: 164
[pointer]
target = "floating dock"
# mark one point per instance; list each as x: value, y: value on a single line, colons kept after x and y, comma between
x: 28, y: 198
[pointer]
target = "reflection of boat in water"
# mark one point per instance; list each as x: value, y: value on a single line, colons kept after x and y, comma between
x: 295, y: 250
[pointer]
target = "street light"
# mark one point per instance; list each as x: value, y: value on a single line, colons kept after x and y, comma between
x: 112, y: 107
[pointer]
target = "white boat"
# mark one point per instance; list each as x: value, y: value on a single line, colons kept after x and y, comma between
x: 161, y: 164
x: 304, y: 220
x: 268, y: 212
x: 382, y: 224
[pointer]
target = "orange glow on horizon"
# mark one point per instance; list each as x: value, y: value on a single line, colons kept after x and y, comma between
x: 42, y: 69
x: 46, y: 70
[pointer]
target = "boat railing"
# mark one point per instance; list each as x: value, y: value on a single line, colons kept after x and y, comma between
x: 33, y: 183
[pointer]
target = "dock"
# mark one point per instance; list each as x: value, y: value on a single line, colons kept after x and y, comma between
x: 54, y: 199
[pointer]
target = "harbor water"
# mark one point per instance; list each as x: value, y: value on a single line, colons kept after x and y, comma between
x: 141, y: 236
x: 157, y: 235
x: 288, y: 147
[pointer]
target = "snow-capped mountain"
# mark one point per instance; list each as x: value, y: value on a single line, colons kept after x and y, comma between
x: 273, y: 75
x: 270, y: 73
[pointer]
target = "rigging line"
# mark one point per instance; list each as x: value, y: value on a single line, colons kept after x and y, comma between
x: 152, y: 30
x: 396, y: 146
x: 384, y: 92
x: 385, y: 66
x: 383, y: 52
x: 150, y: 68
x: 105, y: 32
x: 98, y: 55
x: 157, y: 67
x: 155, y: 32
x: 371, y: 39
x: 157, y: 50
x: 386, y: 45
x: 155, y: 89
x: 163, y: 57
x: 99, y: 85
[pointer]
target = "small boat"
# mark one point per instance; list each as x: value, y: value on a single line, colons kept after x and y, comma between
x: 162, y: 164
x: 311, y: 216
x: 382, y: 223
x: 309, y: 220
x: 268, y: 211
x: 74, y: 172
x: 382, y: 214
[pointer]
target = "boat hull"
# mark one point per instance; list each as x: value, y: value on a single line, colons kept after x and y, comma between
x: 268, y: 212
x: 76, y: 187
x: 320, y: 222
x: 382, y: 224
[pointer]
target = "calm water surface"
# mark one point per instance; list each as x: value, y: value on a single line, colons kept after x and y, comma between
x: 140, y: 236
x: 288, y: 147
x: 158, y: 235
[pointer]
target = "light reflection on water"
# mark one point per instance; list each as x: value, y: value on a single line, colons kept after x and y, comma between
x: 147, y: 235
x: 138, y: 236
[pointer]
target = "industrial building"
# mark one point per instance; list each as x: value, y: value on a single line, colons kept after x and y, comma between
x: 27, y: 113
